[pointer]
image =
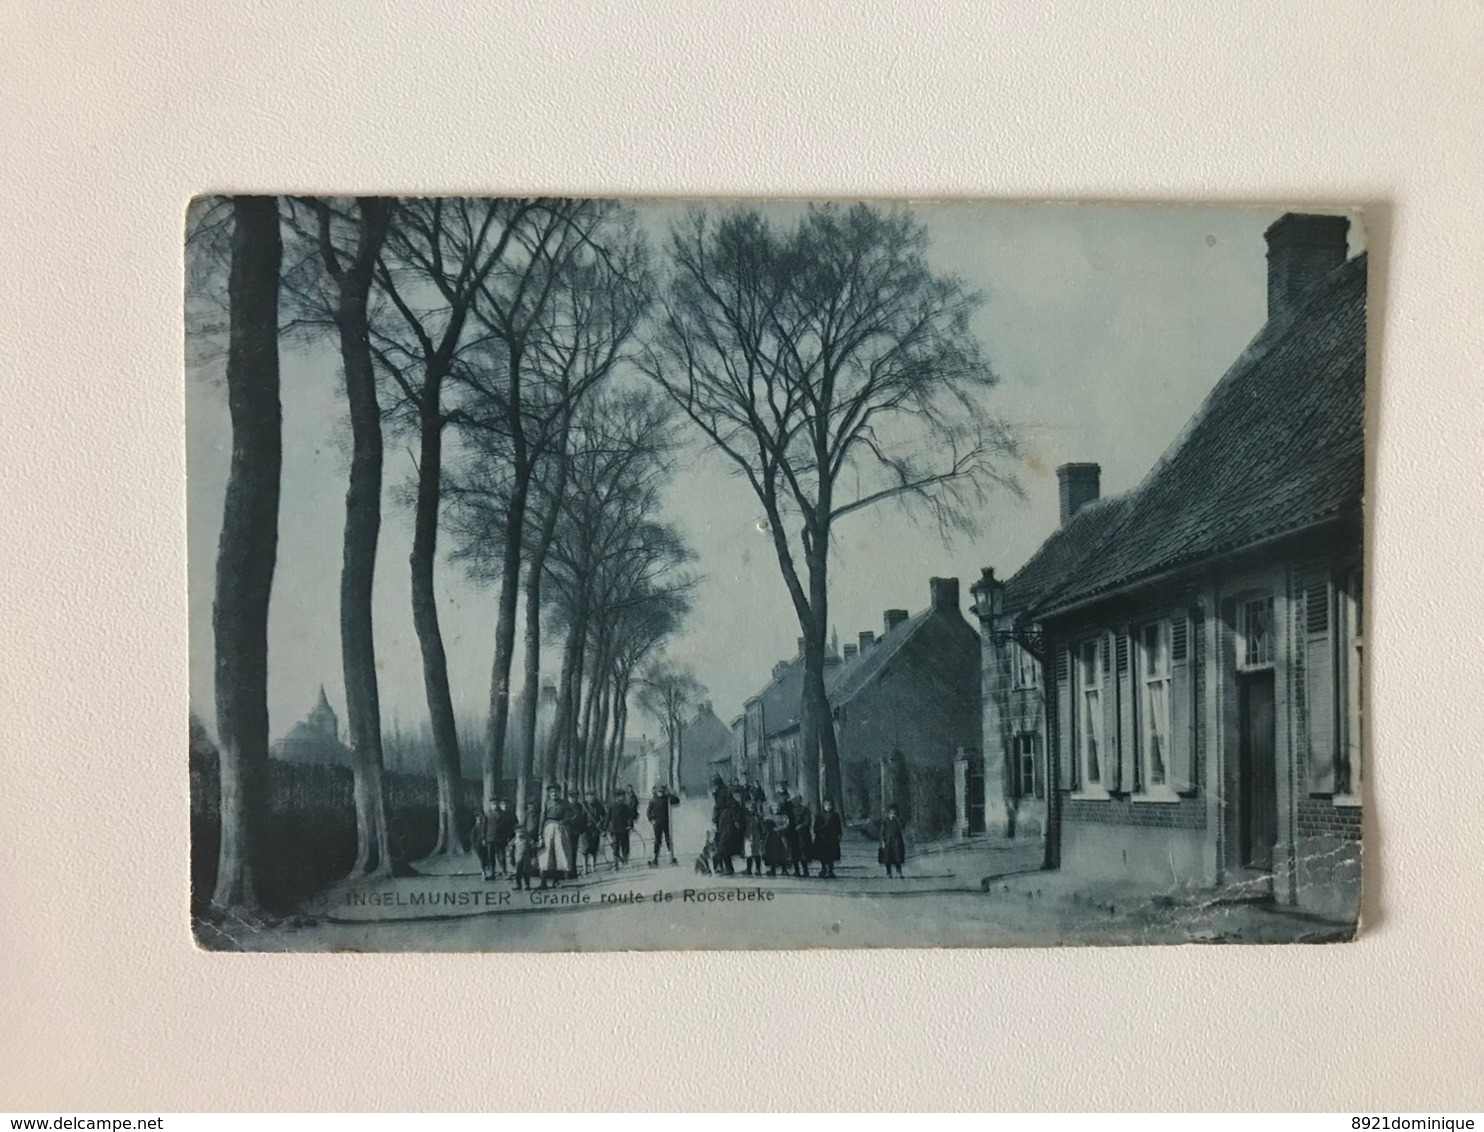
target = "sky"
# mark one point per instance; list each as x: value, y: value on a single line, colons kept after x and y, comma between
x: 1107, y: 325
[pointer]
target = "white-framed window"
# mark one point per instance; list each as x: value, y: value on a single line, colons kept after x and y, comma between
x: 1349, y: 652
x: 1255, y: 634
x: 1026, y: 669
x: 1154, y: 706
x: 1090, y: 715
x: 1024, y: 753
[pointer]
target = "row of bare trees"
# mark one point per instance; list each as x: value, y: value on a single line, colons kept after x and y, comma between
x: 539, y: 368
x: 481, y: 328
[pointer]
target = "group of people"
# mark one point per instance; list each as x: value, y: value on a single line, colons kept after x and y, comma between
x: 564, y: 838
x: 783, y: 838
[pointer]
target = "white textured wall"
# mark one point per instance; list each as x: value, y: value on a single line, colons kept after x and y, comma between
x: 115, y: 114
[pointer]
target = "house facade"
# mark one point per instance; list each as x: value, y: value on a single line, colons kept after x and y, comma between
x: 705, y: 751
x: 1173, y: 682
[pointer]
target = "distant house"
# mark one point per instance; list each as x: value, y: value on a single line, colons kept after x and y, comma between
x: 1202, y: 634
x: 905, y: 708
x: 315, y: 738
x: 705, y: 751
x: 767, y: 750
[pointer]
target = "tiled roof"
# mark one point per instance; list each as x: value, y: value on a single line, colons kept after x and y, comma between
x: 1061, y: 554
x: 1278, y: 446
x: 780, y: 699
x: 845, y: 680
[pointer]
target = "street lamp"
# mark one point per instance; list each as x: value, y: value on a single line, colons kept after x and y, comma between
x: 989, y: 606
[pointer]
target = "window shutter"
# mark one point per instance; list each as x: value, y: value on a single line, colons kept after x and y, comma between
x: 1111, y: 746
x: 1182, y: 731
x: 1319, y: 685
x: 1064, y: 761
x: 1128, y: 747
x: 1038, y: 762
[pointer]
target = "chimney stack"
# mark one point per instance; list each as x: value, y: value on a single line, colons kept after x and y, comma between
x: 1080, y: 485
x: 893, y: 617
x: 850, y: 652
x: 1302, y: 249
x: 801, y: 646
x: 944, y: 594
x: 867, y: 640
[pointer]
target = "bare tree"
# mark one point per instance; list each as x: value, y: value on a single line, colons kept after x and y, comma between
x: 609, y: 555
x: 835, y: 370
x: 556, y: 316
x: 432, y: 269
x: 248, y: 550
x: 667, y: 693
x: 331, y: 290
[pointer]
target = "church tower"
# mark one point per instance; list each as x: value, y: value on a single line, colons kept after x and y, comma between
x: 322, y: 717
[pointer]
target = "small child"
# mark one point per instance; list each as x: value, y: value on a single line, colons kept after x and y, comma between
x: 893, y: 849
x: 525, y: 850
x: 756, y: 833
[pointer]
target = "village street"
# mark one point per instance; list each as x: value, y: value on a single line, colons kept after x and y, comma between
x: 953, y: 895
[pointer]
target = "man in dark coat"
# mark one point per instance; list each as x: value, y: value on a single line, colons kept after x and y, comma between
x: 592, y: 835
x: 576, y: 824
x: 731, y: 830
x: 501, y: 832
x: 658, y: 814
x: 802, y: 821
x: 479, y: 838
x: 783, y: 818
x: 829, y: 829
x: 893, y: 849
x: 620, y: 822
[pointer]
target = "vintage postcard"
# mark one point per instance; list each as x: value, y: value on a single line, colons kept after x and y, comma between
x: 573, y: 575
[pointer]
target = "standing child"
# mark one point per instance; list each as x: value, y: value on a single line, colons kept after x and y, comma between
x: 757, y: 834
x: 893, y: 849
x: 524, y: 847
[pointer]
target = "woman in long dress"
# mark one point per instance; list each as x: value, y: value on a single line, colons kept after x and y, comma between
x: 556, y: 840
x: 777, y: 852
x: 829, y: 828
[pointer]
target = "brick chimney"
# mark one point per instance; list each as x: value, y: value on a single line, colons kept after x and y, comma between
x: 944, y: 594
x: 1302, y: 249
x: 851, y: 651
x: 1080, y: 485
x: 801, y: 646
x: 892, y: 618
x: 867, y: 640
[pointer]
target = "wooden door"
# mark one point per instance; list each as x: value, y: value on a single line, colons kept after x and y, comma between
x: 1259, y: 770
x: 974, y: 794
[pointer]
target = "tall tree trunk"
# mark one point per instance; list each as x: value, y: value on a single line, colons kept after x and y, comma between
x: 819, y: 758
x: 425, y: 616
x: 570, y: 705
x: 530, y: 703
x: 620, y: 726
x: 600, y: 737
x: 589, y: 715
x: 499, y: 714
x: 530, y: 693
x: 551, y: 763
x: 362, y: 531
x: 248, y: 550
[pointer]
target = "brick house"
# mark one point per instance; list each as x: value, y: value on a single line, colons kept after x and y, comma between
x: 705, y: 751
x: 1201, y: 635
x: 905, y: 705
